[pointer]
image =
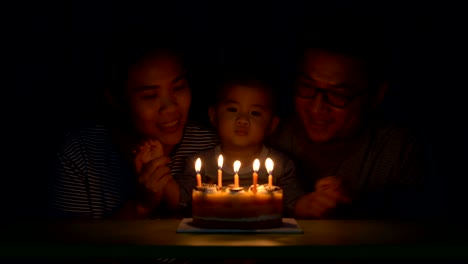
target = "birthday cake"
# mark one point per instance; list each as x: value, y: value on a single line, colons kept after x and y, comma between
x: 235, y: 208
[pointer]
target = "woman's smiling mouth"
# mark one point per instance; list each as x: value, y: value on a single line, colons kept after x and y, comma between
x: 169, y: 126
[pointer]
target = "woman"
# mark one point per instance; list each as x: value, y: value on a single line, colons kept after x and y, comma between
x: 129, y: 166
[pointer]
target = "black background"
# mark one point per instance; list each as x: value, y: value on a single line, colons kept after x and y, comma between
x: 55, y: 62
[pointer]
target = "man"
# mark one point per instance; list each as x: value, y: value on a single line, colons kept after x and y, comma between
x: 351, y: 163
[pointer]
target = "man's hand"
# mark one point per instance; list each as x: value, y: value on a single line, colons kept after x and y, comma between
x: 320, y: 203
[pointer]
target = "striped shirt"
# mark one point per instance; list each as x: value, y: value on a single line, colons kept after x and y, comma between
x: 93, y: 179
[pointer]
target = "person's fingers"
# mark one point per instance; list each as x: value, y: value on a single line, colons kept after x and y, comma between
x: 150, y: 167
x: 137, y: 149
x: 337, y: 194
x: 328, y: 182
x: 146, y: 150
x: 333, y: 193
x: 332, y: 186
x: 141, y: 146
x: 156, y: 184
x: 152, y: 186
x: 156, y: 148
x: 158, y: 162
x: 159, y: 184
x: 317, y: 205
x: 325, y: 200
x: 139, y: 160
x: 157, y: 180
x: 160, y: 172
x: 310, y: 206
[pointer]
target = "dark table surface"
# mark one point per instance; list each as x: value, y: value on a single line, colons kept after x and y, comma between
x: 322, y: 239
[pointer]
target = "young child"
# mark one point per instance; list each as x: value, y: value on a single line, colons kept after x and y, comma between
x: 244, y: 114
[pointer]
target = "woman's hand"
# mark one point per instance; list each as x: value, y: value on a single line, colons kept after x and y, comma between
x: 152, y: 172
x: 148, y: 151
x: 154, y: 183
x: 328, y: 194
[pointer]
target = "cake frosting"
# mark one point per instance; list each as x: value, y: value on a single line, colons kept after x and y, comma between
x: 229, y: 207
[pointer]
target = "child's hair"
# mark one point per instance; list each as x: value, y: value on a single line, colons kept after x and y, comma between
x: 259, y: 78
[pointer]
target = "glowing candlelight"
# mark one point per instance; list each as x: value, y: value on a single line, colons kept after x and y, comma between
x: 220, y: 172
x: 237, y: 165
x: 197, y: 169
x: 256, y: 166
x: 269, y: 166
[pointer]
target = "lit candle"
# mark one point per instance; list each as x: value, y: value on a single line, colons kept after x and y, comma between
x: 220, y: 172
x: 256, y: 166
x: 269, y: 167
x: 197, y: 169
x: 237, y: 165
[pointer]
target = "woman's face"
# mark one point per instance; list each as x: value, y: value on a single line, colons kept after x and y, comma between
x: 159, y: 98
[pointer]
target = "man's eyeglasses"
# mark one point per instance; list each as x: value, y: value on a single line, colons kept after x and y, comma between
x: 335, y: 99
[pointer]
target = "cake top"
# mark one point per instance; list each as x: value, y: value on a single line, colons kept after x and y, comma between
x: 213, y: 188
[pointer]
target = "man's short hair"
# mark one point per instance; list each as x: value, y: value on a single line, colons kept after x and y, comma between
x: 362, y: 37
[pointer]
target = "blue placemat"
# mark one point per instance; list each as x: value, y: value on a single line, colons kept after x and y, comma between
x: 290, y: 226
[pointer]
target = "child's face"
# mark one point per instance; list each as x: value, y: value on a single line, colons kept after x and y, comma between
x: 244, y: 117
x: 159, y: 98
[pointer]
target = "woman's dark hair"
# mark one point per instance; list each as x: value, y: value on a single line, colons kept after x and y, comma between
x: 128, y: 49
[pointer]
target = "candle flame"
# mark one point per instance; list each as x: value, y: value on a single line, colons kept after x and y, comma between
x: 256, y: 165
x: 269, y: 165
x: 198, y: 165
x: 220, y: 161
x: 237, y: 165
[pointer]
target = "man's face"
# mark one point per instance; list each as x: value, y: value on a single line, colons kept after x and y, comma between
x: 244, y: 117
x: 159, y: 98
x: 330, y: 95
